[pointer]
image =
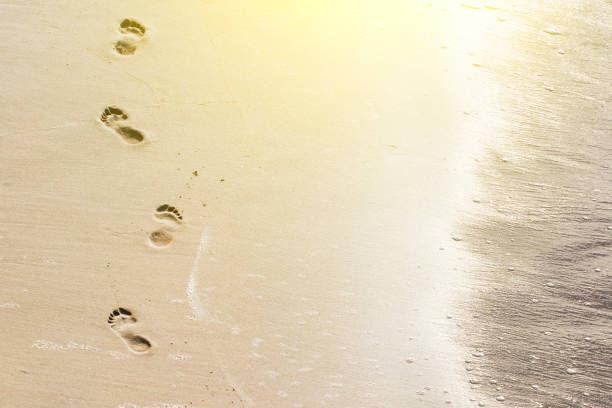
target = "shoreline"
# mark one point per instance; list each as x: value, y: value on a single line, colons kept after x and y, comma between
x: 273, y: 201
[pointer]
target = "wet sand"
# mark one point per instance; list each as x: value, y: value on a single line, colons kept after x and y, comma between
x: 540, y: 233
x: 255, y: 203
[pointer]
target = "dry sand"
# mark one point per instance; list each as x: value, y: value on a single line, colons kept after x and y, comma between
x: 318, y: 157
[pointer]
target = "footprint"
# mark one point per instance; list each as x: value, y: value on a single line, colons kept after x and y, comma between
x: 171, y: 217
x: 160, y: 238
x: 167, y: 212
x: 129, y: 135
x: 126, y: 46
x: 129, y: 26
x: 112, y: 114
x: 133, y: 32
x: 121, y: 321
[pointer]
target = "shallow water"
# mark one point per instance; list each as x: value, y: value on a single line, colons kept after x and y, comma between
x: 540, y: 228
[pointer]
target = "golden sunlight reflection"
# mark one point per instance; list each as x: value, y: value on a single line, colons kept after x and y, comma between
x: 304, y: 203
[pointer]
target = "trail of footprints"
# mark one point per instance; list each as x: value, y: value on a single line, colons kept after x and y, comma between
x: 132, y: 34
x: 121, y: 320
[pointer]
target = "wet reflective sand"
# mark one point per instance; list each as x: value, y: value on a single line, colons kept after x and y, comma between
x: 299, y: 204
x: 540, y: 227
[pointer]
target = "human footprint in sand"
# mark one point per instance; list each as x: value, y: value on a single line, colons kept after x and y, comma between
x: 132, y: 34
x: 112, y: 116
x: 122, y: 322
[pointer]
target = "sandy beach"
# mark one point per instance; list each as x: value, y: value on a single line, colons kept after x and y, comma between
x: 303, y: 204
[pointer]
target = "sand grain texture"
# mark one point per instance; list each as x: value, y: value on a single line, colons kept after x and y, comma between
x: 271, y: 198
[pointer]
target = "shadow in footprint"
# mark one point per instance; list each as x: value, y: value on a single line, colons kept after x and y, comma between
x: 160, y: 238
x: 130, y: 135
x: 168, y: 213
x: 121, y: 321
x: 111, y: 116
x: 126, y: 46
x: 129, y: 26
